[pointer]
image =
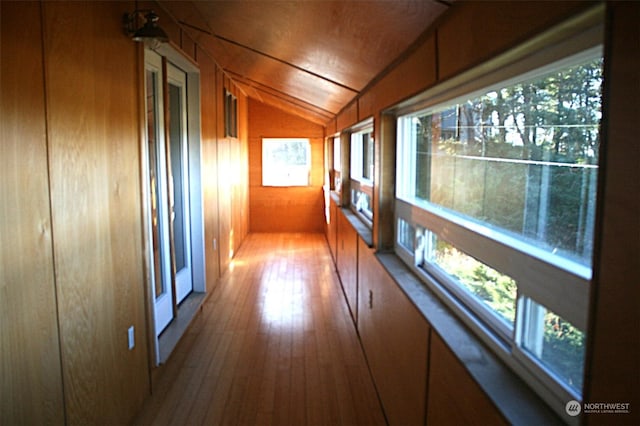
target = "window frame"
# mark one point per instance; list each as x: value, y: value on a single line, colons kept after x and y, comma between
x: 359, y: 184
x: 534, y: 269
x: 337, y: 162
x: 267, y: 141
x: 230, y: 114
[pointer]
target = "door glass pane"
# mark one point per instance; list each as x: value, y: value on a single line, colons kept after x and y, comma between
x: 152, y: 138
x: 177, y: 170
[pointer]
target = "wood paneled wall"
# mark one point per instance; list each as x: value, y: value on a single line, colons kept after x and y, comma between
x: 469, y: 33
x: 30, y: 376
x: 210, y: 110
x: 613, y: 355
x: 395, y: 337
x: 284, y: 209
x: 347, y: 261
x: 454, y: 397
x: 93, y: 133
x: 72, y: 261
x: 474, y: 32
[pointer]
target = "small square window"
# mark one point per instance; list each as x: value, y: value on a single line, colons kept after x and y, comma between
x: 286, y: 162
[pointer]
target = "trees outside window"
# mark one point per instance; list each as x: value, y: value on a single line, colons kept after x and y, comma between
x: 496, y: 203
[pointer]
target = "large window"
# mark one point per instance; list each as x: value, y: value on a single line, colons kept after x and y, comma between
x: 286, y: 162
x: 495, y: 210
x: 362, y: 173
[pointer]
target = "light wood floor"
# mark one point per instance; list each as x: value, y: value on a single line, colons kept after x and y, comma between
x: 274, y: 345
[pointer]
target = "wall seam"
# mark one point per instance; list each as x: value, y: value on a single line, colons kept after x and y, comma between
x: 49, y: 188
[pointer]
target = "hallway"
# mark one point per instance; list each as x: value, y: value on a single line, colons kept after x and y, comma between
x: 275, y: 344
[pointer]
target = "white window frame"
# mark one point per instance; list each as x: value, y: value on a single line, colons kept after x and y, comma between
x: 297, y: 175
x: 536, y: 272
x: 358, y: 182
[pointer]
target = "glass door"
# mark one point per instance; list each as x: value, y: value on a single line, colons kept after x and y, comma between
x: 157, y: 192
x: 179, y: 180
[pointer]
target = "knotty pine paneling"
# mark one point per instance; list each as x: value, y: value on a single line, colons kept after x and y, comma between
x: 30, y: 375
x: 395, y: 338
x: 284, y: 209
x: 454, y: 397
x: 93, y: 132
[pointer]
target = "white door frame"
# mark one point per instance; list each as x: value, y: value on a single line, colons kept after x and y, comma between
x: 162, y: 305
x: 194, y: 185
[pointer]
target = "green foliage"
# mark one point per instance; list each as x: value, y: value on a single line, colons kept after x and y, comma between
x: 545, y: 126
x: 563, y: 344
x: 563, y: 349
x: 496, y: 290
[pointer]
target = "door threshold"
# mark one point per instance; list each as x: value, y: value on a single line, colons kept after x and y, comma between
x: 175, y: 330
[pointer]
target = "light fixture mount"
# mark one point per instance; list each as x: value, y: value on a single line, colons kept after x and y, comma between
x: 149, y: 33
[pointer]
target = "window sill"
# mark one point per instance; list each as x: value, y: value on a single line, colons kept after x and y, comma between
x: 511, y: 396
x: 361, y: 228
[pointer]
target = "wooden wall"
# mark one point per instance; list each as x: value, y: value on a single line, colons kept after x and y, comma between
x: 284, y: 209
x: 30, y: 376
x: 232, y: 166
x: 72, y: 259
x: 613, y: 355
x: 395, y: 337
x: 211, y: 107
x: 471, y: 33
x: 93, y: 130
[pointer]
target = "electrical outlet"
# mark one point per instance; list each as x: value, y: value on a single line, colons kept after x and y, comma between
x: 132, y: 338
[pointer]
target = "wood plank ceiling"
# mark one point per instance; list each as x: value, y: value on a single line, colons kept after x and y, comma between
x: 307, y: 57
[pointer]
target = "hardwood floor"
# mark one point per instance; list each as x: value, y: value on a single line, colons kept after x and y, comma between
x: 274, y: 345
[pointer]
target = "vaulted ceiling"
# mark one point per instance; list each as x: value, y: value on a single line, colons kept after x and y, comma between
x: 308, y: 57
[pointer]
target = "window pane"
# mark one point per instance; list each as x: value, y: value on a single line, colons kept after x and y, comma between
x: 178, y: 172
x: 406, y: 235
x: 362, y: 161
x: 494, y: 290
x: 286, y: 162
x: 556, y: 343
x: 337, y: 161
x: 522, y: 159
x: 362, y: 203
x: 367, y: 156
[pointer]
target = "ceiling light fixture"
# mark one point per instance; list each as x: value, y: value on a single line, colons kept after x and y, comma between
x: 150, y: 33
